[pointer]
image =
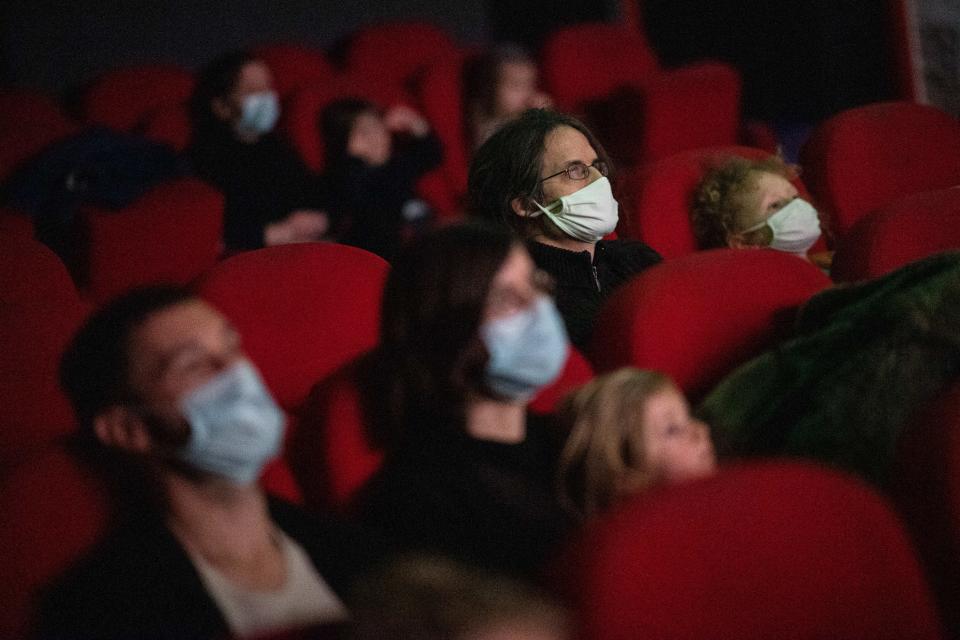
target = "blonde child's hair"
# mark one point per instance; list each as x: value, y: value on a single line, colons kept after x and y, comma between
x: 604, y: 419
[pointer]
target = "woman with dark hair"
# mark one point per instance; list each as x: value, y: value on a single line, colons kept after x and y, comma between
x: 545, y: 176
x: 271, y: 197
x: 468, y: 335
x: 372, y: 180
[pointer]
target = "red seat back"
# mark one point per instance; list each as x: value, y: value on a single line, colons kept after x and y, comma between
x: 659, y: 197
x: 51, y: 511
x: 697, y: 317
x: 173, y: 233
x: 866, y: 157
x: 170, y: 125
x: 907, y: 229
x: 31, y: 121
x: 301, y: 122
x: 31, y: 274
x: 589, y: 61
x: 303, y: 310
x: 397, y: 53
x: 926, y: 487
x: 122, y: 98
x: 295, y: 66
x: 775, y: 550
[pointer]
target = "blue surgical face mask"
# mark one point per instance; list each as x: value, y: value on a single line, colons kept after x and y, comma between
x: 258, y: 113
x: 527, y: 350
x: 235, y: 425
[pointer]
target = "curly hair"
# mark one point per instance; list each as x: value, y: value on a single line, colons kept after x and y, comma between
x: 720, y: 198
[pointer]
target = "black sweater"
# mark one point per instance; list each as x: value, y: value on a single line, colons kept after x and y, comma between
x: 583, y: 284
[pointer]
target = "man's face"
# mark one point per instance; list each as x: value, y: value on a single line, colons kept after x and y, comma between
x: 175, y: 351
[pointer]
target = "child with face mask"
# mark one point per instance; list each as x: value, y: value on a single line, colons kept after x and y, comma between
x: 753, y: 203
x: 629, y: 431
x: 374, y: 160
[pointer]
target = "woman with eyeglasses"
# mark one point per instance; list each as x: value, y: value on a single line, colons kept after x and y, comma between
x: 468, y: 337
x: 546, y: 176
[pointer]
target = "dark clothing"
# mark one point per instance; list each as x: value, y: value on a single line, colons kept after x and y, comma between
x: 263, y: 182
x: 583, y: 284
x: 140, y: 582
x: 378, y: 203
x: 482, y: 502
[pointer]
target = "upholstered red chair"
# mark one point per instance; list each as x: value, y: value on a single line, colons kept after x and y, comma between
x: 697, y: 317
x: 397, y: 53
x: 902, y: 231
x: 173, y: 233
x: 51, y: 511
x: 31, y: 121
x: 770, y: 550
x: 300, y: 122
x: 170, y: 125
x: 295, y: 66
x: 32, y: 275
x: 123, y: 97
x: 639, y: 111
x: 15, y: 223
x: 925, y: 484
x: 331, y: 455
x: 658, y: 197
x: 866, y: 157
x: 303, y: 310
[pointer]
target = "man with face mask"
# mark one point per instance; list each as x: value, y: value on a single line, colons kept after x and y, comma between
x: 545, y: 175
x: 162, y: 386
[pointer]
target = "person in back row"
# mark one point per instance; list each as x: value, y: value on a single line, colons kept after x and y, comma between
x: 546, y: 176
x: 160, y: 384
x: 271, y: 197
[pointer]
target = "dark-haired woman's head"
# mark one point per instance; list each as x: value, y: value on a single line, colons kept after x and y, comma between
x: 445, y: 298
x: 234, y: 96
x: 526, y: 167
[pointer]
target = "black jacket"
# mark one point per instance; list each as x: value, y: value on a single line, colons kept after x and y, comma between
x: 583, y: 284
x: 140, y: 583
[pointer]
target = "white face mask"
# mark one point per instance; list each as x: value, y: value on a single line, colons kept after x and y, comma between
x: 795, y: 227
x: 586, y: 215
x: 258, y: 113
x: 235, y: 425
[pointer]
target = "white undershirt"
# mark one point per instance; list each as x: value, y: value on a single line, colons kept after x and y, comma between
x: 303, y: 600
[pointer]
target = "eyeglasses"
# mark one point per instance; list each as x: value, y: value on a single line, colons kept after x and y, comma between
x: 579, y: 171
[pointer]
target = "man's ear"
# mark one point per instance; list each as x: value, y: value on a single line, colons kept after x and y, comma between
x: 520, y: 206
x: 119, y: 427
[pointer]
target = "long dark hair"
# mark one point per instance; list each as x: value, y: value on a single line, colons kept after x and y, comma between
x: 508, y: 166
x: 430, y: 358
x: 216, y: 80
x: 336, y: 123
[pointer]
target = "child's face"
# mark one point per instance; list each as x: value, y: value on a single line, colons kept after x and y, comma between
x: 772, y: 192
x: 369, y: 139
x: 678, y: 447
x: 516, y: 86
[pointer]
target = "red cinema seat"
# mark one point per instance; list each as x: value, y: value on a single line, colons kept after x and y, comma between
x: 173, y: 233
x: 52, y: 510
x: 295, y: 66
x: 926, y: 488
x: 864, y: 158
x: 697, y: 317
x: 659, y: 196
x: 639, y: 111
x: 122, y: 98
x: 169, y: 125
x: 31, y: 122
x: 303, y: 310
x: 300, y: 122
x: 15, y: 223
x: 907, y: 229
x: 331, y: 455
x: 33, y: 275
x: 771, y: 550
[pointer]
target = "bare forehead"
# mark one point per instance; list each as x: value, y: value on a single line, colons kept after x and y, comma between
x: 565, y: 144
x: 516, y: 268
x: 255, y: 75
x: 767, y: 182
x: 168, y: 329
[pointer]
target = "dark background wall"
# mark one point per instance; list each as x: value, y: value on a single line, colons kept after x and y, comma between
x: 801, y: 59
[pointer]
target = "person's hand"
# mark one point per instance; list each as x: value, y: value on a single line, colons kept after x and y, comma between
x: 303, y: 225
x: 540, y: 100
x: 402, y: 118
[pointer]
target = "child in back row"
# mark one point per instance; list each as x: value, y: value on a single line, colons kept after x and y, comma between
x: 372, y: 176
x: 630, y: 430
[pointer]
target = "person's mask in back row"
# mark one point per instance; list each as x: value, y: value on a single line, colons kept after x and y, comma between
x: 258, y: 113
x: 588, y: 214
